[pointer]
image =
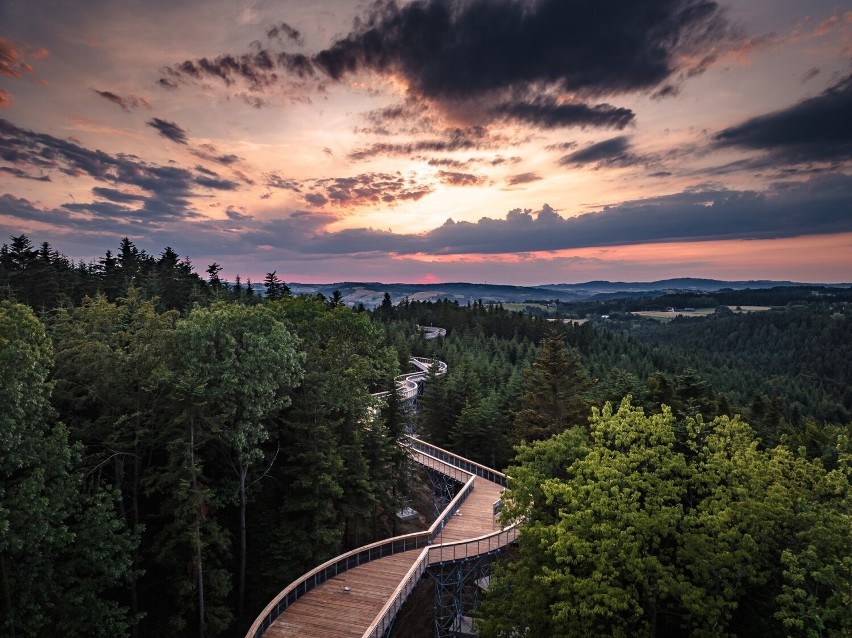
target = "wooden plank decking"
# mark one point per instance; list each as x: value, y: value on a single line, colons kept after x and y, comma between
x: 330, y: 612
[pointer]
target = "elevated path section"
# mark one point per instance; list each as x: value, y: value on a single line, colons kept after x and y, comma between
x: 357, y: 594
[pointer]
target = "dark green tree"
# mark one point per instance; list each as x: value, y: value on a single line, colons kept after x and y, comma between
x: 61, y: 549
x: 275, y: 288
x: 555, y: 394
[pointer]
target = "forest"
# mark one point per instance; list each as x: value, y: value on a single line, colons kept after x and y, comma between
x: 175, y: 449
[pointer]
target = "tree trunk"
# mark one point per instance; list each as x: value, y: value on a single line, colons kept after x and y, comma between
x: 242, y: 581
x: 8, y: 595
x: 199, y: 565
x: 134, y: 598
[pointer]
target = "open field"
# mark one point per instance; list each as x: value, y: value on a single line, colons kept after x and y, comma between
x: 667, y: 315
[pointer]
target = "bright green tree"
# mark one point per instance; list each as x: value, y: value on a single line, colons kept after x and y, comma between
x: 245, y: 362
x: 645, y: 528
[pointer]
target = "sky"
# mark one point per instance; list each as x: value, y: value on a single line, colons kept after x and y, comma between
x: 498, y: 141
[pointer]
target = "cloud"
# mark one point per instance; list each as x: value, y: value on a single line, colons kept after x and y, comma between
x: 217, y: 183
x: 126, y: 102
x: 451, y: 178
x: 485, y: 60
x: 523, y: 178
x: 5, y: 99
x: 11, y: 64
x: 471, y: 138
x: 448, y: 162
x: 117, y: 196
x: 547, y: 112
x: 562, y: 146
x: 169, y: 130
x: 608, y: 153
x: 210, y: 153
x: 411, y: 117
x: 451, y: 51
x: 274, y: 180
x: 365, y: 189
x: 17, y: 172
x: 819, y: 205
x: 259, y: 70
x: 316, y: 199
x: 810, y: 74
x: 283, y: 29
x: 818, y: 129
x: 164, y: 191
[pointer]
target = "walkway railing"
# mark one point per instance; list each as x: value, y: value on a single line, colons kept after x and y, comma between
x: 435, y: 555
x: 458, y: 461
x: 408, y: 384
x: 430, y: 456
x: 362, y: 555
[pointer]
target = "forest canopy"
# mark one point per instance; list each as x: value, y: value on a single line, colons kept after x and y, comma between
x: 174, y: 450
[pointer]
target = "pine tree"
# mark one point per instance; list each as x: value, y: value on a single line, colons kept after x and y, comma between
x: 555, y: 396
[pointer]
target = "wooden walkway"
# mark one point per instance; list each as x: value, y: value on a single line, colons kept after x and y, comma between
x: 362, y: 600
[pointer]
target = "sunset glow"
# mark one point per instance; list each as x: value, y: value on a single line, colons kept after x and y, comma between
x: 265, y: 137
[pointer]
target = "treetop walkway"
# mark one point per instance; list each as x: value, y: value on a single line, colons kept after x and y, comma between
x: 358, y: 594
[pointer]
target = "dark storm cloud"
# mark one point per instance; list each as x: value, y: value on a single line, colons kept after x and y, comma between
x: 545, y: 112
x: 450, y: 50
x: 127, y: 103
x: 169, y: 130
x: 366, y: 188
x: 523, y: 178
x: 818, y: 129
x: 499, y: 59
x: 609, y: 153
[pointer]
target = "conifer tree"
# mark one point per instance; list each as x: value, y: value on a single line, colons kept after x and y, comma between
x: 555, y: 395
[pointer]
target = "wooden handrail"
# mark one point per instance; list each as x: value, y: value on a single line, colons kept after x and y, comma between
x: 431, y: 456
x: 459, y: 461
x: 365, y: 554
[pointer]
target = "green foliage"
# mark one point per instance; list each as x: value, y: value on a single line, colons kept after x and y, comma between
x: 555, y: 393
x: 641, y: 528
x: 61, y: 550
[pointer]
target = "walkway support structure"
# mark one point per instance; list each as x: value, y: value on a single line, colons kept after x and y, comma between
x: 361, y: 591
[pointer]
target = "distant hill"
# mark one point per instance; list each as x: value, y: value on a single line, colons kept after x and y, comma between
x: 371, y: 293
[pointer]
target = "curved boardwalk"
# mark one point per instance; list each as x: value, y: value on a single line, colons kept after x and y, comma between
x: 358, y: 594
